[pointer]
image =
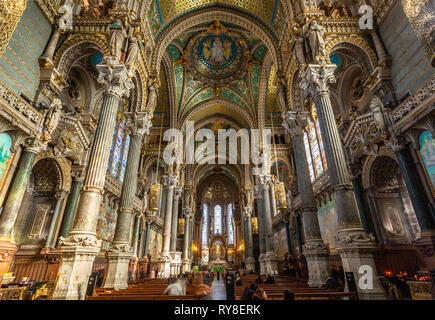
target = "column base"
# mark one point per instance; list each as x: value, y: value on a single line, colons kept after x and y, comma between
x: 262, y: 262
x: 271, y: 263
x: 250, y: 264
x: 356, y: 251
x: 7, y: 251
x: 164, y: 267
x: 175, y: 268
x: 78, y: 253
x: 118, y: 258
x: 317, y: 255
x: 426, y: 245
x: 186, y: 266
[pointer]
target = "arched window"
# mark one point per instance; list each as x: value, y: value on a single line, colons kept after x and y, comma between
x: 314, y: 149
x: 230, y: 227
x: 5, y: 156
x: 204, y: 231
x: 427, y: 153
x: 119, y: 152
x: 218, y: 219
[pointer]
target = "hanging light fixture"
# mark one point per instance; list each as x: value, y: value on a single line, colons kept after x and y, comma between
x: 254, y: 224
x: 155, y: 189
x: 181, y: 222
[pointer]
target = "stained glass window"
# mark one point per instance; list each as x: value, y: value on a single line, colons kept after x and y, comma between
x: 314, y: 149
x: 427, y: 152
x: 117, y: 151
x: 124, y: 158
x: 230, y: 227
x: 5, y: 156
x: 204, y: 231
x: 218, y: 219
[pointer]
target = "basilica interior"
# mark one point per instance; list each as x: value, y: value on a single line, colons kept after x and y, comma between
x: 89, y: 93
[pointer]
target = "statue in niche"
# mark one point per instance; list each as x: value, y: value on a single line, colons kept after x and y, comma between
x: 117, y: 36
x: 52, y: 119
x: 152, y: 95
x: 299, y: 50
x: 133, y: 51
x: 378, y: 110
x: 282, y: 96
x: 395, y: 226
x: 315, y: 42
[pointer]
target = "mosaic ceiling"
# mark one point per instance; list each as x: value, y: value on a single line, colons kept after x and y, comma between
x: 162, y: 11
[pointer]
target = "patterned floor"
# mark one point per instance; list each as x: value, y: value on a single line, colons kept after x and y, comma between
x: 218, y: 290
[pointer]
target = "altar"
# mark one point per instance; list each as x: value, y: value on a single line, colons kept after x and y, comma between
x: 218, y: 263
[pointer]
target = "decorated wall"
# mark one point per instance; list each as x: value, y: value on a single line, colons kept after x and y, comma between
x: 155, y: 244
x: 328, y: 223
x: 106, y: 223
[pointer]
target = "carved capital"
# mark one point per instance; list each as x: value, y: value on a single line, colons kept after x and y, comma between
x: 85, y: 241
x: 317, y: 78
x: 396, y: 143
x: 120, y: 248
x: 34, y: 145
x: 114, y: 77
x: 294, y: 123
x: 265, y: 180
x: 139, y: 123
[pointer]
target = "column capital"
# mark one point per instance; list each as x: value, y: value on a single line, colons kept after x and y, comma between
x: 170, y: 181
x: 78, y: 173
x: 257, y: 192
x: 178, y: 191
x: 294, y: 123
x: 265, y: 181
x: 139, y: 123
x: 317, y: 78
x: 396, y: 143
x: 355, y: 170
x: 114, y: 76
x: 35, y: 146
x: 247, y: 212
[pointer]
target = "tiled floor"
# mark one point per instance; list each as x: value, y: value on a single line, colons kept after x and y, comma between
x: 218, y: 290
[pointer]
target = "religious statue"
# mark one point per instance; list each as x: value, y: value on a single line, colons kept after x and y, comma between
x: 377, y: 109
x: 282, y: 96
x: 117, y: 36
x: 299, y: 49
x: 52, y: 119
x: 315, y: 41
x: 133, y: 51
x: 152, y: 95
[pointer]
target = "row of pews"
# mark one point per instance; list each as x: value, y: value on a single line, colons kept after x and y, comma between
x: 144, y: 289
x: 299, y: 288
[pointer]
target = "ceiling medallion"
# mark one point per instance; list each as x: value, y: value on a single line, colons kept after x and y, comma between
x: 216, y: 58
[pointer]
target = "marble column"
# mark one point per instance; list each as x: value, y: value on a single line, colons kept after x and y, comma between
x: 314, y: 249
x: 60, y: 196
x: 298, y: 232
x: 120, y: 252
x: 271, y: 259
x: 272, y: 199
x: 186, y: 241
x: 261, y: 229
x: 165, y: 258
x: 174, y: 223
x: 79, y: 249
x: 71, y: 206
x: 147, y: 239
x: 249, y: 246
x: 289, y: 239
x: 420, y: 203
x: 353, y: 244
x: 135, y: 242
x: 164, y: 199
x: 51, y: 46
x: 8, y: 247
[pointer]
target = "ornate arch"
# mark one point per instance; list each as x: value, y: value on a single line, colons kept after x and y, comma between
x: 218, y: 100
x: 75, y: 47
x: 368, y: 165
x: 204, y: 15
x: 356, y: 43
x: 63, y: 167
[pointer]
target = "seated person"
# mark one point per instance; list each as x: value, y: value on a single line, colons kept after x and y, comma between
x: 260, y: 294
x: 269, y: 279
x: 259, y: 280
x: 175, y: 289
x: 238, y: 281
x: 249, y: 292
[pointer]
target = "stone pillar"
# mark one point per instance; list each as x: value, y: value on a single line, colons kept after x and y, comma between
x: 174, y: 223
x: 420, y: 203
x: 355, y: 176
x: 147, y: 239
x: 289, y: 239
x: 314, y: 250
x: 71, y: 206
x: 186, y: 241
x: 261, y: 229
x: 60, y: 196
x: 8, y: 247
x: 353, y: 244
x: 51, y: 46
x: 249, y: 246
x: 120, y: 252
x: 80, y: 248
x: 164, y: 199
x: 272, y: 199
x: 298, y: 232
x: 271, y: 259
x: 165, y: 258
